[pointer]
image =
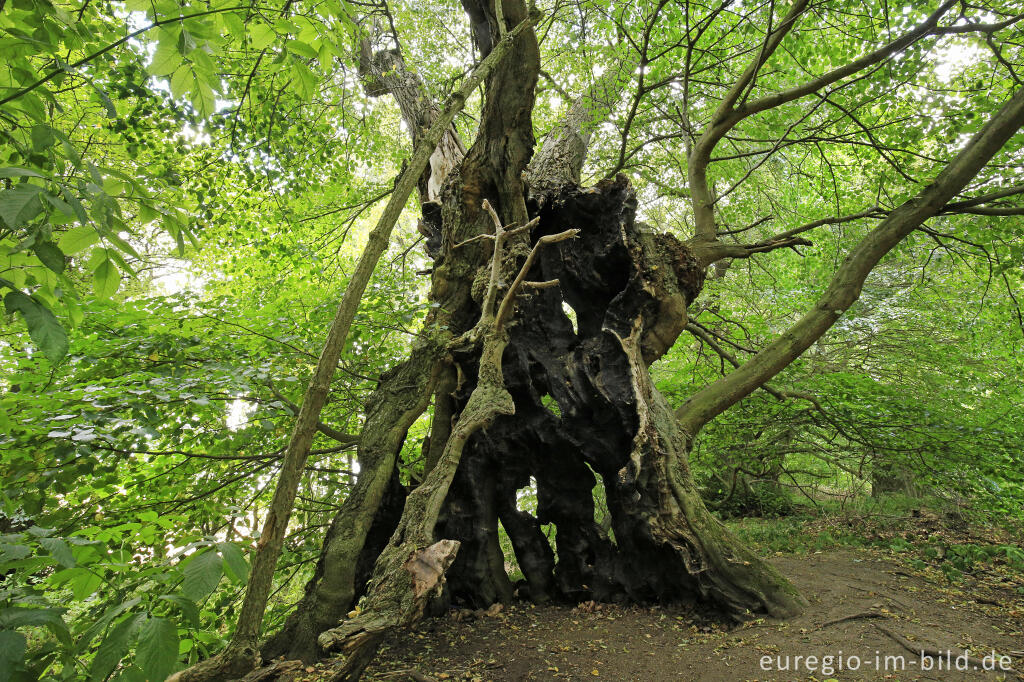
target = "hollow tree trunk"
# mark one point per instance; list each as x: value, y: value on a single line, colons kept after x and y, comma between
x: 332, y: 590
x: 629, y: 292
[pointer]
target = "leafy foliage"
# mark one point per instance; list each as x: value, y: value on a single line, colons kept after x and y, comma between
x: 185, y: 188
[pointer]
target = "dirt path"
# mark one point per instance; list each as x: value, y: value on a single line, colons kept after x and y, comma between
x: 864, y: 608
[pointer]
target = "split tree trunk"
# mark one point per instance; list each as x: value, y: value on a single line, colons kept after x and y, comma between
x: 628, y: 292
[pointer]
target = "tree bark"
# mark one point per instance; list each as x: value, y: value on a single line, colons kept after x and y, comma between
x: 241, y: 654
x: 628, y: 291
x: 845, y: 287
x: 384, y: 72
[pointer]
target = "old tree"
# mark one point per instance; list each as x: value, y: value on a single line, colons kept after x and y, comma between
x: 590, y: 173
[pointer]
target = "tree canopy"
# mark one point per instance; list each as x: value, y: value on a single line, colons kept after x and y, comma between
x: 188, y: 190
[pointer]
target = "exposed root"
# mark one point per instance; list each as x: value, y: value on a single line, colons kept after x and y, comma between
x: 236, y: 661
x: 856, y: 616
x: 928, y: 652
x: 276, y: 672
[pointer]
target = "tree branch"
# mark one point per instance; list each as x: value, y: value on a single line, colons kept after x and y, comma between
x: 845, y: 286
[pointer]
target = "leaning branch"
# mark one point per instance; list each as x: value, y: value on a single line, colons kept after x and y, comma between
x: 234, y: 658
x: 845, y: 286
x: 411, y: 569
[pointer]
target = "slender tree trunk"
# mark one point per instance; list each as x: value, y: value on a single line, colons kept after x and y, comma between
x: 242, y: 654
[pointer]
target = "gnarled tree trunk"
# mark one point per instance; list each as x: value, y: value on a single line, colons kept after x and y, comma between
x: 629, y: 292
x: 562, y: 397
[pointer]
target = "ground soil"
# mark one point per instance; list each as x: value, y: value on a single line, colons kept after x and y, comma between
x: 875, y: 594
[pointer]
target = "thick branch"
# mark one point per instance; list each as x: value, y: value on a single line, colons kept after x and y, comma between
x: 728, y: 116
x: 771, y: 43
x: 560, y: 160
x: 385, y: 72
x: 722, y: 121
x: 974, y: 205
x: 925, y: 28
x: 846, y: 285
x: 711, y: 252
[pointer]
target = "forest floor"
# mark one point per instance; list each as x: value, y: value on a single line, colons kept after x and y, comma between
x: 878, y: 596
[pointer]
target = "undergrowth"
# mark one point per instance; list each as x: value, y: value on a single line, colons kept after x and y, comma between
x: 924, y: 534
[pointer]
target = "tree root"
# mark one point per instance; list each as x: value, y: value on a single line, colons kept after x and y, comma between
x: 280, y: 670
x: 855, y: 616
x: 978, y: 664
x: 236, y: 661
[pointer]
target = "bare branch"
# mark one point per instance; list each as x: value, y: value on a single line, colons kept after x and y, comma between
x: 507, y: 303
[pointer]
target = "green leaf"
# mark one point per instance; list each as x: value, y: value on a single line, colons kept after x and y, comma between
x: 202, y: 573
x: 63, y: 207
x: 50, y: 255
x: 302, y: 49
x: 147, y: 213
x: 20, y: 204
x: 234, y: 561
x: 204, y: 66
x: 304, y: 79
x: 121, y: 244
x: 157, y: 652
x: 42, y: 137
x: 181, y: 82
x: 106, y: 279
x: 203, y: 98
x: 12, y: 172
x: 187, y: 606
x: 114, y: 647
x: 104, y: 98
x: 43, y: 327
x: 9, y: 552
x: 101, y: 624
x: 326, y: 54
x: 166, y: 59
x: 77, y: 239
x: 12, y: 652
x: 74, y: 310
x: 31, y: 105
x: 14, y: 617
x: 186, y: 42
x: 85, y: 583
x: 261, y: 36
x: 59, y: 550
x: 234, y: 24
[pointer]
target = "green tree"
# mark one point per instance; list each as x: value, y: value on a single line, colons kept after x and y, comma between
x: 250, y: 145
